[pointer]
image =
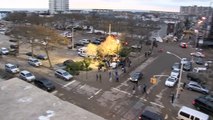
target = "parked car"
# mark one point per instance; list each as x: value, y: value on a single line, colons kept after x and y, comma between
x: 183, y: 45
x: 150, y: 115
x: 14, y: 46
x: 199, y: 60
x: 204, y: 104
x: 11, y: 68
x: 44, y: 84
x: 67, y: 62
x: 34, y: 62
x: 197, y: 54
x: 63, y: 74
x: 27, y: 76
x: 197, y: 87
x: 85, y: 41
x: 30, y: 54
x: 41, y: 57
x: 136, y: 76
x: 79, y: 43
x: 4, y: 51
x: 195, y: 77
x: 176, y: 65
x: 187, y: 66
x: 96, y: 41
x: 175, y: 73
x: 171, y: 81
x: 184, y: 60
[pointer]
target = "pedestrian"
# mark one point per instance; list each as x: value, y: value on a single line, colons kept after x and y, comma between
x: 97, y: 77
x: 117, y: 79
x: 140, y: 88
x: 184, y: 84
x: 100, y: 78
x: 116, y: 72
x: 130, y: 63
x: 145, y: 54
x: 173, y: 97
x: 133, y: 90
x: 110, y: 76
x: 124, y: 70
x: 144, y: 88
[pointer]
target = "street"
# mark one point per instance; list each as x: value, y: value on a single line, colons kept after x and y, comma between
x: 115, y: 100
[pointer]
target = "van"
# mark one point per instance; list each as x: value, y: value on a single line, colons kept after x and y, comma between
x: 186, y: 113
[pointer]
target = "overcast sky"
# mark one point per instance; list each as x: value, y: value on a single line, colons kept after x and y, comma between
x: 161, y: 5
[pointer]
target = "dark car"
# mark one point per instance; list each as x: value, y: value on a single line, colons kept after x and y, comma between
x: 204, y: 104
x: 187, y: 66
x: 14, y: 46
x: 79, y: 44
x: 199, y: 60
x: 30, y: 54
x: 67, y: 62
x: 44, y: 84
x: 41, y: 57
x: 96, y: 41
x: 135, y: 77
x: 196, y: 77
x: 176, y: 66
x: 149, y: 115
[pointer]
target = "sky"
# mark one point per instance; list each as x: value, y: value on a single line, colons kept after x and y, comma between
x: 158, y: 5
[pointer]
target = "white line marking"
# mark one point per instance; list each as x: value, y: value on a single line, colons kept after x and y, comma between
x: 166, y: 117
x: 98, y: 91
x: 157, y: 104
x: 54, y: 92
x: 90, y: 97
x: 69, y: 83
x: 122, y: 91
x: 82, y: 86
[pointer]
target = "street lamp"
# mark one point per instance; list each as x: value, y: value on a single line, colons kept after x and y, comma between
x: 181, y: 70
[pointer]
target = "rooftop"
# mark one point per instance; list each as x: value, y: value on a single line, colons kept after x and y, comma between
x: 20, y: 100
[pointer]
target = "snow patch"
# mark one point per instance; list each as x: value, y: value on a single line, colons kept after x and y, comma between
x: 25, y: 100
x: 48, y: 115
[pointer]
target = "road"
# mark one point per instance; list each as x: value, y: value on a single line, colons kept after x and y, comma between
x: 114, y: 100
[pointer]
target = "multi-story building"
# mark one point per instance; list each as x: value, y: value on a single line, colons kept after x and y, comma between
x: 195, y: 10
x: 58, y: 6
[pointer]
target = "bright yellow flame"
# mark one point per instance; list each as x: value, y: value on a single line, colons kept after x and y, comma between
x: 110, y: 46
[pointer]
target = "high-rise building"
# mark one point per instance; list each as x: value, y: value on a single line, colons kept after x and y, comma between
x: 58, y: 6
x: 195, y: 10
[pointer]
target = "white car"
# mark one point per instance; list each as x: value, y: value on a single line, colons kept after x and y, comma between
x: 34, y: 62
x: 11, y: 68
x: 197, y: 54
x: 85, y: 41
x: 175, y: 73
x: 26, y: 75
x: 184, y: 61
x: 82, y: 49
x: 171, y: 81
x: 63, y: 74
x: 4, y: 51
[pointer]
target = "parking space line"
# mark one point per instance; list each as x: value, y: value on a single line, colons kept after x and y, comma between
x: 98, y: 91
x: 90, y: 97
x: 69, y: 83
x: 82, y: 86
x: 121, y: 91
x: 157, y: 104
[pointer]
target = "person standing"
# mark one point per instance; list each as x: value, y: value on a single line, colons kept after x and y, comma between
x: 110, y: 76
x: 144, y: 88
x: 96, y: 76
x: 184, y: 84
x: 100, y: 78
x: 172, y: 97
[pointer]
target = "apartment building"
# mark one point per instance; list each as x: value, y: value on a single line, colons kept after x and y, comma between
x: 58, y: 6
x: 195, y: 10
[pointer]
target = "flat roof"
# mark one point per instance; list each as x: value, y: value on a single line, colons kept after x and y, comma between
x: 20, y: 100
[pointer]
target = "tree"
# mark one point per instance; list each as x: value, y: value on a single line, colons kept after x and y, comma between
x: 46, y: 38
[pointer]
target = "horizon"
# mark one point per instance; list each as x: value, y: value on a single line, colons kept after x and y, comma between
x: 138, y: 5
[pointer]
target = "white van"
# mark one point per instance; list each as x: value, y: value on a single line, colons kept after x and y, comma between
x: 186, y: 113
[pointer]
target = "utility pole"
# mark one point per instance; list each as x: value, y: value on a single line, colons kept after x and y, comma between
x: 109, y: 29
x: 73, y: 39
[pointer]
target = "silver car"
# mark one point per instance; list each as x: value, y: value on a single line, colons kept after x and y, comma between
x: 197, y: 87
